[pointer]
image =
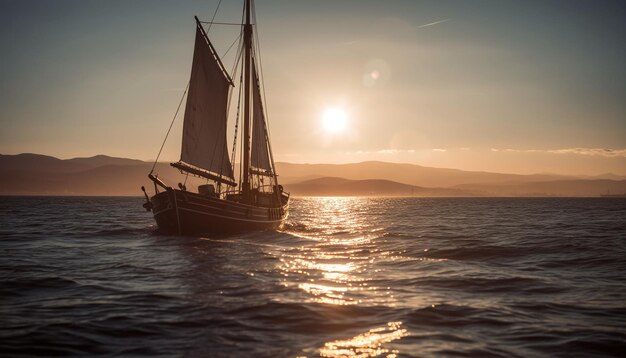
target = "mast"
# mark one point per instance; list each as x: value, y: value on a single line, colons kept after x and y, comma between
x: 247, y: 40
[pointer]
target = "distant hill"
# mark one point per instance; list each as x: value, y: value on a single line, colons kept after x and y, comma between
x: 102, y: 160
x: 576, y: 187
x: 609, y: 176
x: 35, y: 174
x: 329, y: 186
x: 37, y: 163
x: 115, y: 180
x: 403, y: 173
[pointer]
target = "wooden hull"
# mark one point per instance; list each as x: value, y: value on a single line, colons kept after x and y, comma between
x: 182, y: 212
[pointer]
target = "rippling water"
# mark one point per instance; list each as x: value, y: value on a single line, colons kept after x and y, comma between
x: 348, y: 277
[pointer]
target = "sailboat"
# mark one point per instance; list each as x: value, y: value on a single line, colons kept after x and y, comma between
x: 222, y: 204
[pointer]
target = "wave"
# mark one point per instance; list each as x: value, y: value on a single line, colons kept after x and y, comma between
x: 467, y: 277
x: 448, y: 315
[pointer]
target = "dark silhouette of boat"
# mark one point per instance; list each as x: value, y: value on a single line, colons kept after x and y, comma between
x: 256, y: 201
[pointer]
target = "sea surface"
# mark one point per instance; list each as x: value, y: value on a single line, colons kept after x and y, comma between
x: 348, y: 277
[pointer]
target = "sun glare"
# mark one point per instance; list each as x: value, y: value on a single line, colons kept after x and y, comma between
x: 334, y: 120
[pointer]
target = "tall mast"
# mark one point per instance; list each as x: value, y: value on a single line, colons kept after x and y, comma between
x: 247, y: 61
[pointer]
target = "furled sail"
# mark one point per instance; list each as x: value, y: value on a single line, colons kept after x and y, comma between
x: 260, y: 158
x: 204, y: 131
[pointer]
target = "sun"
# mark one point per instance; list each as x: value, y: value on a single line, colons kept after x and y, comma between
x: 334, y: 120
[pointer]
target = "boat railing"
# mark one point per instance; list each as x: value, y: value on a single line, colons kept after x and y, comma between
x: 268, y: 186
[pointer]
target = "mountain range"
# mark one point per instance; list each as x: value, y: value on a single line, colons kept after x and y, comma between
x: 35, y: 174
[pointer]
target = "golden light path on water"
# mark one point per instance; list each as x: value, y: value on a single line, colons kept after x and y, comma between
x: 368, y: 344
x: 338, y: 269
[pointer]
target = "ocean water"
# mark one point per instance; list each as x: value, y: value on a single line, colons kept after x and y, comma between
x: 348, y: 277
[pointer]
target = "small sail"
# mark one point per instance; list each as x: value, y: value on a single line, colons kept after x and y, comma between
x: 260, y: 158
x: 204, y: 131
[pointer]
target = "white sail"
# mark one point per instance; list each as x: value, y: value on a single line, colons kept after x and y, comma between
x: 260, y: 158
x: 204, y: 131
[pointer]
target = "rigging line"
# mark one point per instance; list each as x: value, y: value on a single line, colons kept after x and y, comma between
x: 263, y: 117
x: 241, y: 89
x: 231, y: 45
x: 230, y: 94
x: 213, y: 18
x: 262, y: 78
x: 222, y: 154
x: 239, y: 56
x: 262, y: 86
x: 256, y: 155
x: 237, y: 59
x: 266, y: 119
x: 170, y: 128
x: 220, y: 23
x: 237, y: 124
x: 234, y: 72
x: 240, y: 159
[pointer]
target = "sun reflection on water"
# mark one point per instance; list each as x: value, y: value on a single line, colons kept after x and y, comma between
x: 368, y: 344
x: 337, y: 268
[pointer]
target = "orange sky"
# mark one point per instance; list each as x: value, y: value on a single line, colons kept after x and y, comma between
x: 497, y: 85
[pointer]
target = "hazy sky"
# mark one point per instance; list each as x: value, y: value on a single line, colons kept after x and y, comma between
x: 515, y: 86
